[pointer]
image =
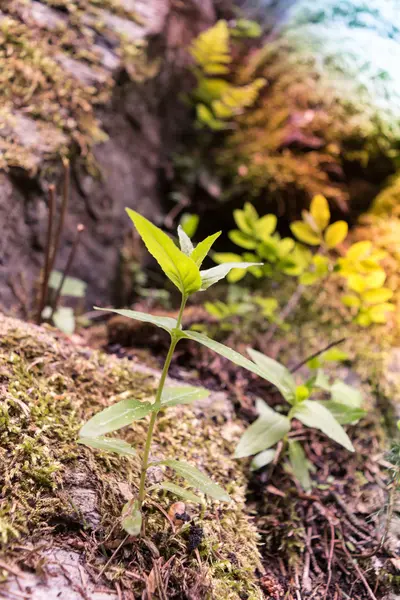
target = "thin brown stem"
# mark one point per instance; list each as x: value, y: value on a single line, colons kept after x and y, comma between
x: 63, y: 210
x: 80, y: 228
x: 316, y: 354
x: 47, y: 265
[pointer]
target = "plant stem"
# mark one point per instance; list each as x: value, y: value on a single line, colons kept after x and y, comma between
x: 157, y: 405
x: 47, y: 265
x: 65, y: 274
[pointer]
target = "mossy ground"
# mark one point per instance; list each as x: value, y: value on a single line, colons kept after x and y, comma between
x: 48, y: 388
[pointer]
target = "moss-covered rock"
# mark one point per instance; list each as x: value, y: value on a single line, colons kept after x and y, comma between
x: 71, y: 497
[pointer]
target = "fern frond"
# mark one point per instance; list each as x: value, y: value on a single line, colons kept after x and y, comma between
x: 235, y: 99
x: 211, y: 49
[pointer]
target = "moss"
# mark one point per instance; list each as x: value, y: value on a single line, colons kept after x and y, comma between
x: 37, y: 62
x: 48, y: 388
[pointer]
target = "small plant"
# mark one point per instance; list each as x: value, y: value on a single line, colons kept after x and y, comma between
x: 258, y: 235
x: 336, y: 404
x: 217, y: 100
x: 183, y: 267
x: 360, y: 267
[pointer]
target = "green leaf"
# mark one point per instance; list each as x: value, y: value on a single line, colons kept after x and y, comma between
x: 276, y: 373
x: 166, y: 323
x: 189, y: 223
x: 185, y: 242
x: 115, y: 417
x: 304, y: 233
x: 336, y: 233
x: 197, y: 479
x: 242, y: 239
x: 299, y: 465
x: 64, y: 319
x: 335, y: 355
x: 203, y: 248
x: 266, y: 226
x: 232, y: 355
x: 262, y: 459
x: 343, y: 413
x: 346, y: 394
x: 265, y: 432
x: 182, y: 395
x: 322, y: 381
x: 179, y: 268
x: 211, y: 276
x: 319, y: 211
x: 179, y: 491
x: 76, y: 288
x: 109, y: 445
x: 132, y: 519
x: 313, y: 414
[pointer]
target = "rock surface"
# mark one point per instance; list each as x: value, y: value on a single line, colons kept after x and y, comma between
x: 105, y: 83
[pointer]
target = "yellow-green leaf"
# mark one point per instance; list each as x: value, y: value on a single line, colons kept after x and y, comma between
x: 320, y: 212
x: 266, y: 226
x: 203, y: 248
x: 351, y: 301
x: 179, y: 268
x: 336, y: 233
x: 377, y: 296
x: 356, y: 283
x: 359, y: 250
x: 375, y: 280
x: 304, y: 233
x: 378, y: 313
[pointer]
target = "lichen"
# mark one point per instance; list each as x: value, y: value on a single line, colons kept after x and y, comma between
x: 47, y: 389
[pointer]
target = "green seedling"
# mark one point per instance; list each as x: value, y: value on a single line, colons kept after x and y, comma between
x: 183, y: 267
x: 316, y: 403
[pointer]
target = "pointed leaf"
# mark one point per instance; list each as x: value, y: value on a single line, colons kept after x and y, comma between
x: 203, y: 248
x: 299, y: 465
x: 182, y: 395
x: 115, y: 417
x: 276, y: 373
x: 304, y: 233
x: 336, y: 233
x: 166, y: 323
x: 197, y: 479
x: 185, y: 242
x: 265, y: 432
x: 211, y: 276
x: 179, y: 491
x: 262, y: 459
x: 109, y: 445
x: 189, y: 223
x: 313, y: 414
x: 346, y: 394
x: 344, y: 413
x: 179, y: 268
x: 277, y: 376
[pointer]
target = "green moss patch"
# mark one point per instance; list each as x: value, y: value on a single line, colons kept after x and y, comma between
x: 51, y: 486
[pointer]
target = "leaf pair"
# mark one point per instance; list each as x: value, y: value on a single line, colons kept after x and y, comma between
x: 127, y: 411
x: 181, y: 266
x: 315, y: 230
